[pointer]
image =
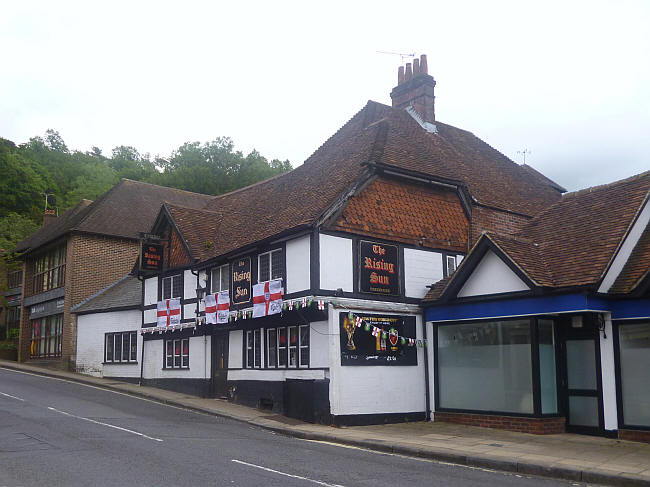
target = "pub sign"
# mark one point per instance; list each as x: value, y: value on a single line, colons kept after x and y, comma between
x: 378, y: 268
x: 241, y: 281
x: 360, y: 347
x: 151, y: 257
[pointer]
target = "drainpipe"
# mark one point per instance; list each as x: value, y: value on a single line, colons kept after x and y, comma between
x: 142, y: 321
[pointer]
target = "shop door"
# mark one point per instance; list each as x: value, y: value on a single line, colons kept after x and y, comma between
x: 582, y: 396
x: 220, y: 364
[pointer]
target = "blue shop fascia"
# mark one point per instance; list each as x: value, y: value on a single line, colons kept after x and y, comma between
x: 548, y: 330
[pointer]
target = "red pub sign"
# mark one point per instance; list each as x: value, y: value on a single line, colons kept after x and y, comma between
x: 379, y: 268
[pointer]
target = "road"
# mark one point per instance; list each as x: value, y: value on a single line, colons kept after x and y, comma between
x: 59, y: 433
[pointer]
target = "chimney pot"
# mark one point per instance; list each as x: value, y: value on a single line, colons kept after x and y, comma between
x: 415, y: 90
x: 409, y: 72
x: 48, y: 217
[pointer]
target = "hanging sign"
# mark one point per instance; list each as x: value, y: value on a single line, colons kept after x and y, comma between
x: 151, y: 257
x: 378, y: 268
x: 241, y: 281
x: 382, y: 344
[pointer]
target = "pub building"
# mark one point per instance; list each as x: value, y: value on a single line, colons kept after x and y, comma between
x: 325, y: 266
x: 548, y: 330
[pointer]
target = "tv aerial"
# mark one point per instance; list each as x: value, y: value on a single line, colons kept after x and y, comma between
x: 402, y: 54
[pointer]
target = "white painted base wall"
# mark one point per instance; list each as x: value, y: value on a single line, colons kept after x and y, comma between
x: 200, y: 356
x: 374, y: 389
x: 91, y: 329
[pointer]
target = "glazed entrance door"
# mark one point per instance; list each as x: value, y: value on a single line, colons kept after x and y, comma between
x: 582, y: 384
x: 220, y: 364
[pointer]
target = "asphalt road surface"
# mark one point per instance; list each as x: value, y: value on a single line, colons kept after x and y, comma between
x: 59, y: 433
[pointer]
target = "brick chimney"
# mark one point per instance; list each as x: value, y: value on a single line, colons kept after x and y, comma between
x: 48, y: 217
x: 415, y: 90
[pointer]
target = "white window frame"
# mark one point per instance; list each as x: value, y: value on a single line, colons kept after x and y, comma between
x: 287, y: 348
x: 451, y: 259
x: 270, y: 253
x: 215, y: 284
x: 301, y: 346
x: 271, y: 348
x: 254, y: 348
x: 172, y: 279
x: 131, y: 335
x: 172, y: 364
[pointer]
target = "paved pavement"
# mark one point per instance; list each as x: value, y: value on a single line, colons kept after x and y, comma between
x: 573, y: 457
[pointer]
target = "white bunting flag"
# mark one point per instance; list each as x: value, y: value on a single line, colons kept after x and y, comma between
x: 375, y: 331
x: 321, y: 305
x: 267, y: 298
x: 358, y: 321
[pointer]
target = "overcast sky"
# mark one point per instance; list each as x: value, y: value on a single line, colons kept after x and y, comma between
x: 568, y: 81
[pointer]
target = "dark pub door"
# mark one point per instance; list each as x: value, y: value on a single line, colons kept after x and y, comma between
x: 220, y: 364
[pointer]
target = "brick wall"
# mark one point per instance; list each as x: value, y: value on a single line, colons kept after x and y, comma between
x: 93, y: 262
x: 537, y: 426
x: 490, y: 220
x: 178, y: 256
x: 635, y: 435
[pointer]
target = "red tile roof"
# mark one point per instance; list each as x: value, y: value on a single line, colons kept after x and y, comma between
x: 378, y: 134
x: 573, y: 242
x: 637, y: 267
x: 406, y: 212
x: 126, y: 209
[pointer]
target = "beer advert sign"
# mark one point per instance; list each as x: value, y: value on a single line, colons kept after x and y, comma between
x: 379, y: 268
x: 241, y: 281
x: 360, y: 347
x: 151, y: 257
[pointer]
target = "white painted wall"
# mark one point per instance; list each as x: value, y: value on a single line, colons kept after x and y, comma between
x: 626, y: 249
x: 150, y: 317
x: 275, y: 374
x: 90, y: 342
x: 150, y: 291
x: 235, y: 344
x: 374, y: 389
x: 189, y: 311
x: 319, y: 344
x: 421, y: 269
x: 203, y: 281
x: 335, y: 263
x: 491, y: 276
x: 189, y: 284
x: 200, y: 356
x: 608, y: 376
x: 298, y: 265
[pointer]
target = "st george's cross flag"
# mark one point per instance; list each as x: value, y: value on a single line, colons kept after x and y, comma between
x: 168, y: 312
x: 267, y: 298
x: 217, y: 307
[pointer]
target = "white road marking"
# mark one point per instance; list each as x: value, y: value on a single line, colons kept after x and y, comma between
x: 286, y: 474
x: 105, y: 424
x: 105, y: 389
x: 13, y: 397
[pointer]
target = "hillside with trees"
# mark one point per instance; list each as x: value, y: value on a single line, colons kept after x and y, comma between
x: 45, y: 165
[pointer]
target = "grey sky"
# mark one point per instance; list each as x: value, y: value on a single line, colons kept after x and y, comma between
x: 569, y: 81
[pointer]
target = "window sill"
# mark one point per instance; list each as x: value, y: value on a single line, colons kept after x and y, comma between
x: 175, y: 368
x: 119, y: 363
